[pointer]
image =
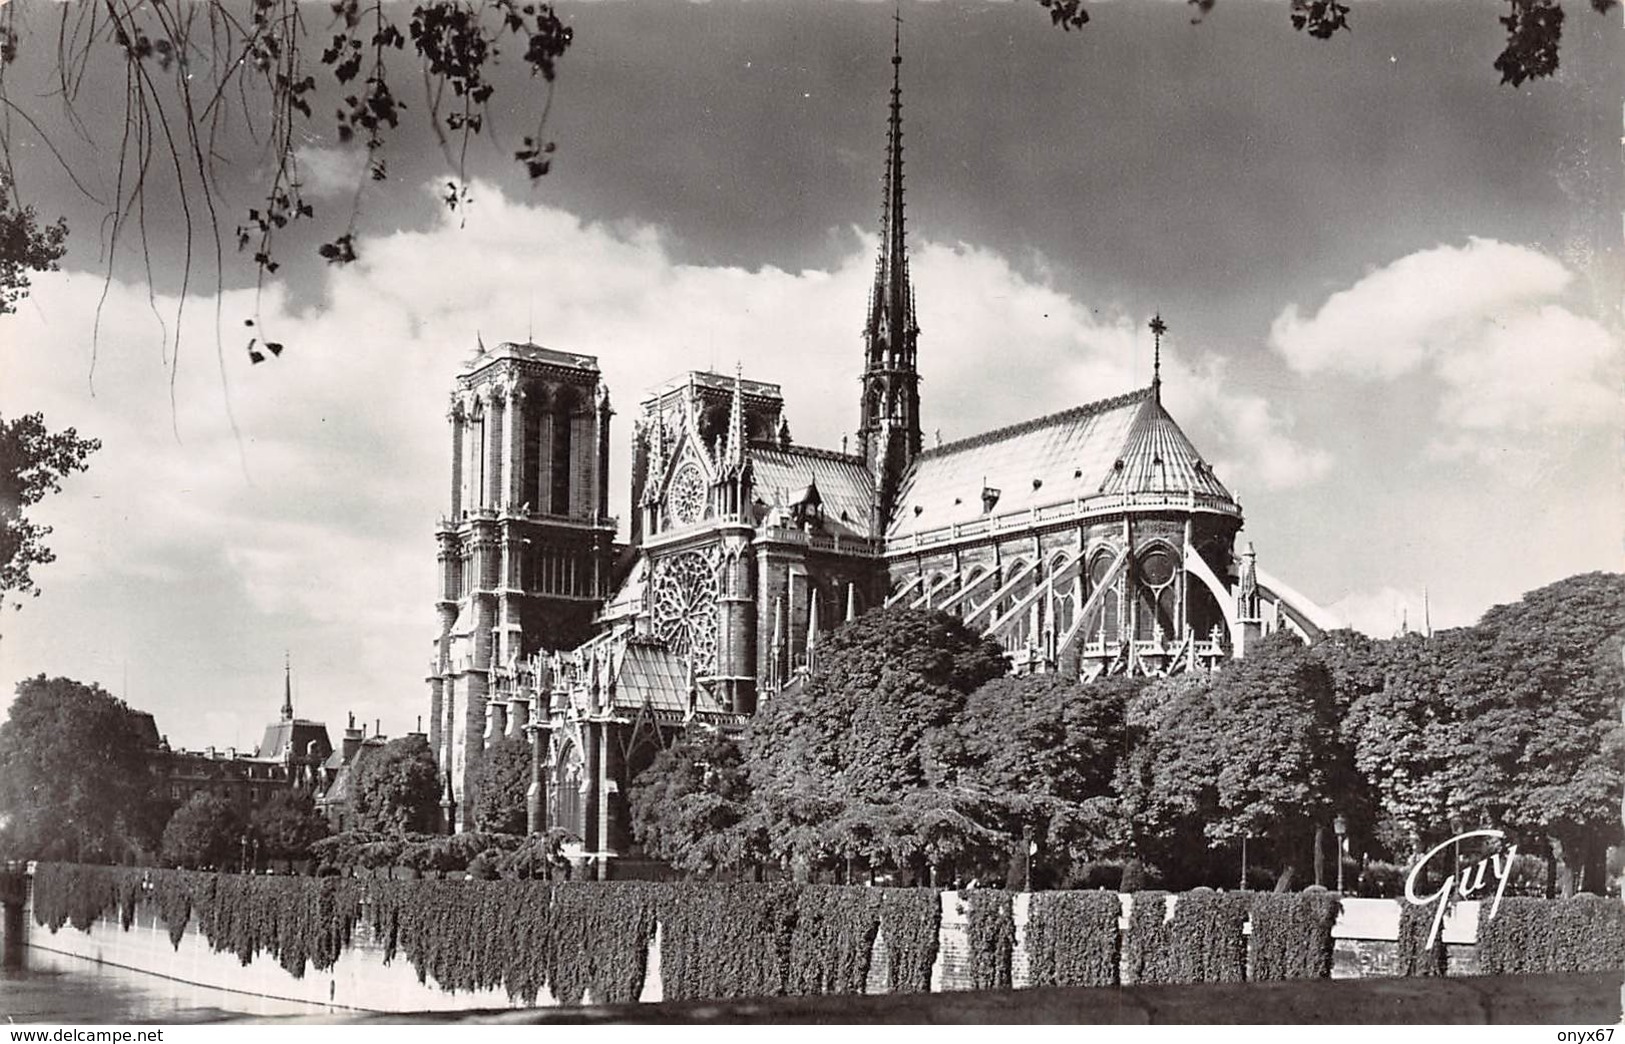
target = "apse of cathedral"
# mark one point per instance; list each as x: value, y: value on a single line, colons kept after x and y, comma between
x: 1090, y: 542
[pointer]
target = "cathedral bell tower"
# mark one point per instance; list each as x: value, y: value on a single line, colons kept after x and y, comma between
x: 527, y: 550
x: 889, y: 427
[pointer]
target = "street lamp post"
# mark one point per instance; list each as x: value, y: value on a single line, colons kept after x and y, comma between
x: 1340, y: 827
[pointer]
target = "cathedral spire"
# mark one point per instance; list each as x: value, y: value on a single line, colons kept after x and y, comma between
x: 889, y: 425
x: 891, y: 308
x: 287, y: 687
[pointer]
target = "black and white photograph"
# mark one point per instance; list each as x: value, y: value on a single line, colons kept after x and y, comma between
x: 767, y: 511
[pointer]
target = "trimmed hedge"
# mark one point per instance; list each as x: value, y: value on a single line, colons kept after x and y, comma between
x: 1582, y: 934
x: 1415, y: 958
x: 726, y: 940
x: 1146, y: 945
x: 910, y: 922
x: 992, y: 935
x: 1292, y: 935
x: 1206, y: 939
x: 1072, y: 938
x: 1202, y: 942
x: 590, y: 941
x: 834, y: 938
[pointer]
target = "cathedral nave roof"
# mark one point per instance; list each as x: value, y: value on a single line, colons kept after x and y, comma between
x: 1123, y: 445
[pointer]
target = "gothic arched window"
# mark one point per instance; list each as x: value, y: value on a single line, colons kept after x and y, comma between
x: 559, y: 458
x: 1063, y: 580
x: 565, y: 793
x: 530, y: 485
x: 1110, y: 615
x: 1157, y: 593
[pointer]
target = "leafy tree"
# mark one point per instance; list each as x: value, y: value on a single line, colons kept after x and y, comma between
x: 1282, y: 769
x: 287, y: 825
x: 689, y: 807
x: 1405, y: 738
x: 205, y: 832
x: 501, y: 781
x: 869, y: 724
x: 25, y: 246
x: 77, y: 779
x: 1356, y: 661
x: 1541, y: 742
x: 33, y: 462
x: 1167, y: 778
x: 1251, y: 752
x: 1049, y: 745
x: 396, y: 788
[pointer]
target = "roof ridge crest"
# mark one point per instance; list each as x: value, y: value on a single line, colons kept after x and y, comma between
x: 1070, y: 413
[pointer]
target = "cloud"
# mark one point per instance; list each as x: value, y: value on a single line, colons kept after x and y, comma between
x: 326, y: 172
x: 1487, y: 321
x: 303, y: 515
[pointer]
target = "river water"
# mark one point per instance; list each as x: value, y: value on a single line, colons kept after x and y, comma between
x: 56, y: 989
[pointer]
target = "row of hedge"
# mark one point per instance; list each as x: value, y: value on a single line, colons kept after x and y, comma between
x: 1073, y: 939
x: 1582, y: 934
x: 717, y: 941
x: 744, y: 940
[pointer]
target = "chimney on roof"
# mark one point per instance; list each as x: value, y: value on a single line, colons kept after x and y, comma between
x: 352, y: 740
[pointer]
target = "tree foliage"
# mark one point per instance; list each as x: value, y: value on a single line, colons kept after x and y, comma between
x: 690, y: 805
x: 501, y: 781
x: 831, y: 758
x: 1050, y: 747
x: 396, y: 789
x: 33, y: 463
x: 881, y: 761
x: 1251, y: 752
x: 1538, y: 704
x: 25, y: 246
x: 205, y: 833
x: 287, y: 824
x: 77, y: 777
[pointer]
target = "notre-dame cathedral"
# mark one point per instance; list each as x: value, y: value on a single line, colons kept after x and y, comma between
x: 1093, y: 541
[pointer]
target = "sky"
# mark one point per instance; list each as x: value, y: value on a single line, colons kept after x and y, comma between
x: 1391, y: 284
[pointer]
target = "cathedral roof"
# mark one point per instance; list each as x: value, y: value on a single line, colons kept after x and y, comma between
x: 1064, y: 457
x: 782, y: 475
x: 1158, y: 458
x: 649, y: 674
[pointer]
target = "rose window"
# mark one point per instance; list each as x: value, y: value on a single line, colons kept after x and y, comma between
x: 685, y: 500
x: 685, y: 607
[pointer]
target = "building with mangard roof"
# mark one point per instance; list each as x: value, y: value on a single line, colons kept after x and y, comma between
x: 1091, y: 542
x: 290, y: 755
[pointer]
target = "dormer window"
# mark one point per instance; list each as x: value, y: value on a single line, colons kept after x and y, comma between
x: 990, y: 498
